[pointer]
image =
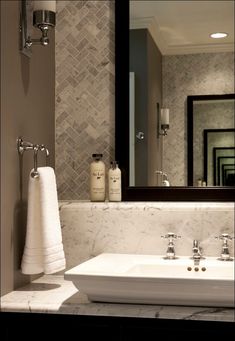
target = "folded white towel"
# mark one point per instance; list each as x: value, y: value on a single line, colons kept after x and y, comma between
x: 43, y: 251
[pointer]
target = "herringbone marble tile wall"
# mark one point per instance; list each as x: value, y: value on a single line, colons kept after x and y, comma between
x: 84, y: 92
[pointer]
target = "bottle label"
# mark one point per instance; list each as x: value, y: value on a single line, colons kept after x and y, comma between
x: 114, y: 178
x: 98, y: 174
x: 114, y: 191
x: 98, y: 184
x: 114, y: 184
x: 97, y: 181
x: 97, y: 190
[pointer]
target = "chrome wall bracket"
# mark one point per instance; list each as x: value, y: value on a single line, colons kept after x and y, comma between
x: 23, y: 146
x: 24, y: 35
x: 42, y: 19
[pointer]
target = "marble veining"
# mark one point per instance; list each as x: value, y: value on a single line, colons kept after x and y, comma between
x: 52, y: 294
x: 136, y: 227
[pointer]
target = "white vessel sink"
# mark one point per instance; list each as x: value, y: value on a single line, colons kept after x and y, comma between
x: 148, y: 279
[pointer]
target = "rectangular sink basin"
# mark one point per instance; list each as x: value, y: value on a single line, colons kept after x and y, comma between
x: 150, y: 279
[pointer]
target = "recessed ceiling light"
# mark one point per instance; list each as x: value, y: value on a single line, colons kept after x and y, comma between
x: 218, y: 35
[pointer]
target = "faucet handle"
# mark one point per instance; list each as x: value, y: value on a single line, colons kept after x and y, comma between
x: 225, y: 254
x: 170, y: 236
x: 170, y: 252
x: 225, y: 237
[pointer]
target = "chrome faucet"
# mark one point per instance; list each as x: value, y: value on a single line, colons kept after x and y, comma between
x: 170, y: 252
x: 197, y: 252
x: 164, y: 178
x: 225, y: 254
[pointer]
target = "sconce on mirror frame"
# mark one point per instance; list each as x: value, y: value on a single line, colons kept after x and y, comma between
x: 162, y: 121
x: 44, y: 18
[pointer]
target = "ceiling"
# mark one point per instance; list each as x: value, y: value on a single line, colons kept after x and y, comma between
x: 182, y: 27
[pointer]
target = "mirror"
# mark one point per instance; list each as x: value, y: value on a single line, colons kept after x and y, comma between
x: 211, y: 139
x: 172, y: 93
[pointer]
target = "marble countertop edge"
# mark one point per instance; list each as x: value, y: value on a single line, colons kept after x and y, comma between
x: 52, y: 294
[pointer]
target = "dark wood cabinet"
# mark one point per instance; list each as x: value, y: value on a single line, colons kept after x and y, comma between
x: 43, y: 327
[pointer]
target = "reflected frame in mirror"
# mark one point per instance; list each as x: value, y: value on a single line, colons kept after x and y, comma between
x: 225, y: 175
x: 216, y: 178
x: 221, y: 163
x: 190, y: 132
x: 207, y: 133
x: 130, y: 193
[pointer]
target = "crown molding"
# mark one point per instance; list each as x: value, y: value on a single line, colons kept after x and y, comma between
x: 203, y: 48
x: 151, y: 24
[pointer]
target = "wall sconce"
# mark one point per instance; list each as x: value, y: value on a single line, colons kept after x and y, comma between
x: 163, y: 121
x: 44, y: 18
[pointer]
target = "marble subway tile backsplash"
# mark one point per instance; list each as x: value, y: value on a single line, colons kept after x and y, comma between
x: 92, y: 228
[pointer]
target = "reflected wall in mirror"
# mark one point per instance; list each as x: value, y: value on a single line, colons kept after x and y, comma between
x: 171, y: 57
x: 210, y: 135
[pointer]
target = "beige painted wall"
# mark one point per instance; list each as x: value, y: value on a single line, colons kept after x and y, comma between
x: 27, y: 109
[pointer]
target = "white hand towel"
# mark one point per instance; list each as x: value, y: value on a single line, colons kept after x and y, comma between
x: 43, y: 251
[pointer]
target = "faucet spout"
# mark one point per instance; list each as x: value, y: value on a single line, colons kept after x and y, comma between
x: 170, y: 253
x: 197, y: 252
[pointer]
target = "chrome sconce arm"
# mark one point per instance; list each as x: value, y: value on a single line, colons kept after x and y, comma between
x: 43, y: 19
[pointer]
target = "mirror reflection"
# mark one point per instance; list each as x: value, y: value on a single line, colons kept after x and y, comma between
x: 172, y: 56
x: 211, y: 137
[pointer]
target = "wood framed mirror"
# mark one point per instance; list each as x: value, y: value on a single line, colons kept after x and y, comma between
x: 132, y: 192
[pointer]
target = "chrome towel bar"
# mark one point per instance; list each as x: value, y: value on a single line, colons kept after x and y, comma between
x: 23, y: 146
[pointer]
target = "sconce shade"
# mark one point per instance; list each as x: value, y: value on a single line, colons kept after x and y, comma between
x: 164, y: 116
x: 162, y: 122
x: 49, y: 5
